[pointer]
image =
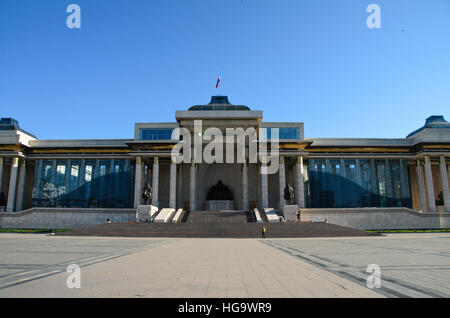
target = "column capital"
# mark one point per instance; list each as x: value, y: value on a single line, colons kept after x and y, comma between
x: 281, y: 160
x: 155, y: 160
x: 427, y: 160
x: 442, y: 159
x: 138, y: 160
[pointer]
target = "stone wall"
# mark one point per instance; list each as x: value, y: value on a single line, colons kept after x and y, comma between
x: 359, y: 218
x: 379, y: 218
x: 63, y: 218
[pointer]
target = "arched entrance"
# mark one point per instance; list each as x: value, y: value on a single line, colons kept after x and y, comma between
x: 228, y: 174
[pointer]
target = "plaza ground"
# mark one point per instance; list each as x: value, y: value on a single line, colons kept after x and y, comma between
x: 412, y: 265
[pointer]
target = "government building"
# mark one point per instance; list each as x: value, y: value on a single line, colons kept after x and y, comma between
x: 359, y: 182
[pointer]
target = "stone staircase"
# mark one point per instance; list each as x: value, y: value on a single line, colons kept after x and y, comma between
x: 220, y: 217
x: 211, y: 229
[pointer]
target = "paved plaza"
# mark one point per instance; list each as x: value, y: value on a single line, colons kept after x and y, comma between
x: 412, y: 265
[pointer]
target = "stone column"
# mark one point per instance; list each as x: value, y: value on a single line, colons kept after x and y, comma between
x: 388, y: 180
x: 138, y: 182
x: 21, y: 187
x: 173, y: 185
x: 96, y: 172
x: 67, y: 175
x: 264, y: 188
x: 327, y: 175
x: 429, y: 185
x: 112, y: 176
x: 82, y: 173
x: 192, y: 201
x: 245, y: 186
x: 143, y: 180
x: 12, y: 185
x: 282, y: 182
x: 421, y: 186
x: 300, y: 184
x: 373, y: 183
x: 343, y: 169
x: 149, y: 174
x: 37, y: 187
x: 404, y: 188
x: 448, y: 174
x: 53, y: 174
x: 155, y: 182
x: 1, y: 174
x: 112, y: 168
x: 295, y: 181
x: 444, y: 181
x: 180, y: 187
x: 358, y: 175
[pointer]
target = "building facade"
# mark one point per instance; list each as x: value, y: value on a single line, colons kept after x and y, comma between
x: 411, y: 172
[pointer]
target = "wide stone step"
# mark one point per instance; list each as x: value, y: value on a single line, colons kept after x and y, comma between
x: 217, y: 230
x: 220, y: 217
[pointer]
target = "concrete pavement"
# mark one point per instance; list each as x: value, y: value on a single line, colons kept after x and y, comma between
x: 412, y: 265
x: 162, y: 268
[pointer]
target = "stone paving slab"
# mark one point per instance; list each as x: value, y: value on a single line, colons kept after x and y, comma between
x: 412, y: 265
x: 176, y: 268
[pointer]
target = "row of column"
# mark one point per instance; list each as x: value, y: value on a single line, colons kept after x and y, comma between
x: 175, y: 187
x: 16, y: 191
x: 139, y: 183
x: 298, y: 184
x: 426, y: 187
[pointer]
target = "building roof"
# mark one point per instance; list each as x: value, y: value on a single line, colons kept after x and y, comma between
x: 219, y: 103
x: 435, y: 122
x: 12, y: 124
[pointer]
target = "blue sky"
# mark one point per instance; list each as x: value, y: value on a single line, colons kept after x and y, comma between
x: 139, y: 61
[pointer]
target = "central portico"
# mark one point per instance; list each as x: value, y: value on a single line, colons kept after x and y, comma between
x: 186, y: 185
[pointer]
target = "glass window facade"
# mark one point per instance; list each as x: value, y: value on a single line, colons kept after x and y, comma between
x: 348, y: 183
x: 83, y: 183
x: 155, y: 133
x: 285, y: 132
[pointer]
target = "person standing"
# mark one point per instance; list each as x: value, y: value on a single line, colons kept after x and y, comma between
x: 263, y: 231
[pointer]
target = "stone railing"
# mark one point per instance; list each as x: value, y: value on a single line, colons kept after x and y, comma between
x: 63, y: 218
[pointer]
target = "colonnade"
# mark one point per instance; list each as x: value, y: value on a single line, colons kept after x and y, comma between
x: 176, y: 173
x: 426, y: 186
x: 16, y: 188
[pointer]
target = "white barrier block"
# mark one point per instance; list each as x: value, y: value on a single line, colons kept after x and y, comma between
x: 165, y: 215
x: 258, y: 216
x: 271, y: 215
x: 178, y: 216
x: 145, y: 212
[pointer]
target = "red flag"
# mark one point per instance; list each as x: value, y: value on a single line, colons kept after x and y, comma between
x: 218, y: 81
